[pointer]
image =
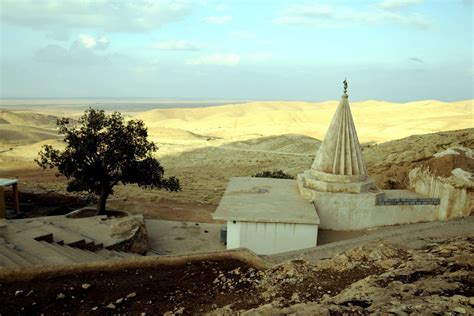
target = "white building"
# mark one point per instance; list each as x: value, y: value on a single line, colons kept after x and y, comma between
x: 267, y: 216
x: 273, y: 215
x: 345, y: 197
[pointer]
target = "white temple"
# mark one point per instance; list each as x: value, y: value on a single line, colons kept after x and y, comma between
x: 345, y: 197
x: 274, y: 215
x: 338, y: 166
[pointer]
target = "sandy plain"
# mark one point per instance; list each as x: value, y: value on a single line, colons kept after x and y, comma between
x: 206, y: 145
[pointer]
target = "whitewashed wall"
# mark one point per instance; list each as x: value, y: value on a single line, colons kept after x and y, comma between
x: 271, y: 238
x: 346, y: 211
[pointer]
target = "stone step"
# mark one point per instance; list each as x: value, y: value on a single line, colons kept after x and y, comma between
x: 71, y: 238
x: 14, y: 256
x: 100, y: 253
x: 93, y: 228
x: 105, y: 253
x: 22, y: 229
x: 75, y: 254
x: 6, y: 262
x: 92, y: 256
x: 28, y: 257
x: 75, y: 257
x: 124, y: 254
x: 96, y: 256
x: 43, y: 251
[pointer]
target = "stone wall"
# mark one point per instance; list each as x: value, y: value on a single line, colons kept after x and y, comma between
x: 347, y: 211
x: 456, y: 196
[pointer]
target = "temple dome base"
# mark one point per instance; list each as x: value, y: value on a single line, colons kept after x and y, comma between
x: 323, y: 182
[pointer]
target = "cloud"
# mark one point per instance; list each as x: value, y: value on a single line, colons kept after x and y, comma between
x: 58, y: 35
x: 93, y: 42
x: 396, y: 4
x: 322, y: 15
x: 216, y: 59
x: 310, y: 11
x: 176, y: 45
x: 74, y: 56
x: 414, y: 20
x: 105, y: 15
x: 217, y: 19
x: 416, y: 60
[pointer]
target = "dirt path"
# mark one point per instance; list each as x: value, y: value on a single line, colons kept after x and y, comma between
x: 412, y: 236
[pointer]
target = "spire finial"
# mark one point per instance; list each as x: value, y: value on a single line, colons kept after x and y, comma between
x: 345, y: 85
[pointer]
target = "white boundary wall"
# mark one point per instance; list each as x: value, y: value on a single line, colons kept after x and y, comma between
x: 346, y: 211
x: 271, y: 238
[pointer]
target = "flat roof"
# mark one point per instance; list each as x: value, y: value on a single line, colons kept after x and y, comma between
x: 265, y: 200
x: 4, y: 182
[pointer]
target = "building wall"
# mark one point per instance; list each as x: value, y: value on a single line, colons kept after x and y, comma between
x: 455, y: 201
x: 271, y: 238
x: 346, y: 211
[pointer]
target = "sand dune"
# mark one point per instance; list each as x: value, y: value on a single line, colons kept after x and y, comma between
x: 377, y: 121
x: 27, y: 118
x: 11, y: 134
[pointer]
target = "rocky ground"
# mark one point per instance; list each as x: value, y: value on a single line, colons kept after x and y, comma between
x: 375, y: 278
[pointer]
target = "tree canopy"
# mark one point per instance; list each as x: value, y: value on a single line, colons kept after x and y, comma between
x: 103, y: 150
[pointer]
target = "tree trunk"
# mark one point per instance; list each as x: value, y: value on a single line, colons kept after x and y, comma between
x: 104, y: 194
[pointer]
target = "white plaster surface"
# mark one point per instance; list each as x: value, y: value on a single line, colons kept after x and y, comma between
x: 346, y: 211
x: 340, y: 152
x: 456, y: 200
x: 6, y: 182
x: 271, y: 238
x: 265, y: 200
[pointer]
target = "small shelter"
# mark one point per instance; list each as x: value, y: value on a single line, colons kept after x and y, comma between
x: 14, y: 184
x: 267, y: 216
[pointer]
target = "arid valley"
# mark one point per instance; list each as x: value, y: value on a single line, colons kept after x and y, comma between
x: 206, y: 146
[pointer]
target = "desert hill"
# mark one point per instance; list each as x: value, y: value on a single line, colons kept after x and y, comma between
x: 376, y: 121
x: 27, y: 118
x: 19, y: 128
x: 206, y: 146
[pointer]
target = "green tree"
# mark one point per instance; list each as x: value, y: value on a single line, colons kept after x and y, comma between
x: 102, y: 151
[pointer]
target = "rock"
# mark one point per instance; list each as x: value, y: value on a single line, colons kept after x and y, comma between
x: 459, y: 310
x: 85, y: 286
x: 110, y: 306
x: 133, y: 294
x: 118, y: 301
x: 94, y: 308
x: 132, y: 230
x: 61, y: 296
x: 295, y: 297
x: 18, y: 292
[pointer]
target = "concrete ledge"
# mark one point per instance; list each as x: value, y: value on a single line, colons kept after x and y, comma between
x: 314, y: 183
x: 34, y: 272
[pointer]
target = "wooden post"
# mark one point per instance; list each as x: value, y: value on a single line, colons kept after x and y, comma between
x: 15, y: 197
x: 3, y: 208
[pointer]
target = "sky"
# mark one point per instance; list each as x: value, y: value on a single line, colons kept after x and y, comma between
x: 393, y: 50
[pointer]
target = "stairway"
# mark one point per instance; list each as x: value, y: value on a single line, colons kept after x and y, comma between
x: 26, y: 243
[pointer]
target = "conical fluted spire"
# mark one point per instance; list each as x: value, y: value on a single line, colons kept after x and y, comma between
x: 340, y: 152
